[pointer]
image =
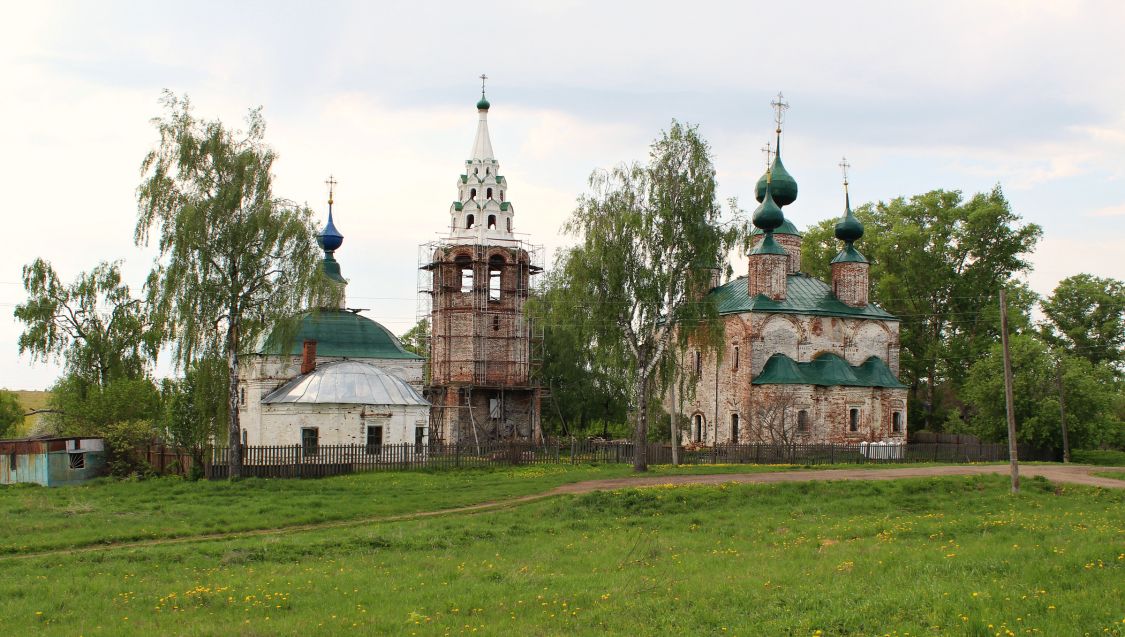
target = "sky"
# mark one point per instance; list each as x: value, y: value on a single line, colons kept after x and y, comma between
x: 1024, y: 94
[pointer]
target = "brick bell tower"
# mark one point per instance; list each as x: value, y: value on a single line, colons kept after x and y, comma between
x: 473, y: 284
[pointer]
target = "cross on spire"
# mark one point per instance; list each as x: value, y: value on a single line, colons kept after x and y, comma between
x: 844, y: 166
x: 768, y: 150
x: 331, y: 183
x: 779, y: 106
x: 483, y: 77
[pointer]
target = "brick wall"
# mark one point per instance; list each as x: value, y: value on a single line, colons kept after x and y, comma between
x: 849, y: 283
x: 767, y: 275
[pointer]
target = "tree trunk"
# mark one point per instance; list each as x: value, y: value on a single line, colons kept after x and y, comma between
x: 234, y: 429
x: 640, y: 432
x: 672, y: 425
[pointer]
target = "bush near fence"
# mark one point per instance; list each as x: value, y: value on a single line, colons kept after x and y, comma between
x: 296, y: 461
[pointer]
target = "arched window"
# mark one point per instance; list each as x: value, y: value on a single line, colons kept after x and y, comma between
x: 472, y: 193
x: 802, y: 422
x: 495, y: 270
x: 853, y: 419
x: 509, y: 224
x: 491, y: 222
x: 697, y: 434
x: 698, y: 362
x: 896, y: 422
x: 465, y: 267
x: 488, y: 193
x: 487, y: 172
x: 469, y: 220
x: 734, y: 428
x: 501, y: 195
x: 736, y: 358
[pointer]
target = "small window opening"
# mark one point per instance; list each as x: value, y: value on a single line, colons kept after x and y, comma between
x: 509, y: 224
x: 802, y: 422
x: 374, y: 440
x: 495, y: 409
x: 472, y: 193
x: 419, y: 438
x: 488, y: 193
x: 487, y: 172
x: 77, y: 460
x: 896, y: 422
x: 495, y: 323
x: 245, y: 437
x: 698, y: 428
x: 241, y: 395
x: 734, y: 428
x: 736, y: 358
x: 465, y: 267
x: 466, y: 397
x: 853, y: 420
x: 495, y: 269
x: 491, y: 222
x: 698, y: 362
x: 469, y: 220
x: 310, y: 440
x: 501, y: 195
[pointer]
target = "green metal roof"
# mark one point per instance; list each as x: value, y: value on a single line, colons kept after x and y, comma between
x: 331, y: 269
x: 785, y: 228
x: 504, y: 205
x: 849, y: 255
x: 337, y: 333
x: 803, y: 295
x: 464, y: 179
x: 458, y: 206
x: 768, y: 246
x: 827, y: 370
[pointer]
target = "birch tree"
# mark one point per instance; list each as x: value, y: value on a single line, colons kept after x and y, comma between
x: 233, y: 259
x: 650, y: 238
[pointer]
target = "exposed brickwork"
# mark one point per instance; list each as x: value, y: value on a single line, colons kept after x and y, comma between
x: 792, y: 245
x: 767, y: 275
x: 849, y: 283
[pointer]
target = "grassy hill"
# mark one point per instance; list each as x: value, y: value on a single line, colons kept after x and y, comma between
x: 31, y: 400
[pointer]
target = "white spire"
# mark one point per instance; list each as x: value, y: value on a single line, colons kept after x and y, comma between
x: 482, y: 147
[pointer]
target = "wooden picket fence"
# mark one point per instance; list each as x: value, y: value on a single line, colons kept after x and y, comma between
x: 296, y: 461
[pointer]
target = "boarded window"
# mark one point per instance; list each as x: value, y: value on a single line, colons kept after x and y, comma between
x: 374, y: 439
x: 77, y: 460
x: 853, y: 419
x: 802, y: 422
x: 310, y: 440
x: 896, y: 422
x: 734, y: 428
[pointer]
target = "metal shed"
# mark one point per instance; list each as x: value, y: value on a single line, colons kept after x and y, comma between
x: 51, y: 461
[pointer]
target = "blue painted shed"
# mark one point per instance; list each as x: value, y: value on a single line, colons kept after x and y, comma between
x: 52, y: 462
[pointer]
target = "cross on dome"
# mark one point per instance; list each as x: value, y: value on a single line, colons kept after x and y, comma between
x: 779, y: 106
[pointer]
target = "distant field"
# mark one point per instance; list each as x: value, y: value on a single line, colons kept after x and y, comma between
x: 31, y: 400
x: 941, y: 556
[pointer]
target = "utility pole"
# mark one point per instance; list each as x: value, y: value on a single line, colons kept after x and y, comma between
x: 1009, y: 401
x: 1062, y: 408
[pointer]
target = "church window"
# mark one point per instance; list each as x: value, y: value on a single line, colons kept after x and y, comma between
x: 491, y: 222
x: 734, y: 428
x: 472, y: 193
x: 853, y: 419
x: 465, y: 267
x: 495, y: 269
x: 419, y: 438
x: 495, y: 323
x: 487, y: 172
x: 698, y: 433
x: 469, y: 220
x: 310, y: 440
x: 488, y: 193
x: 245, y: 437
x: 896, y: 422
x: 736, y: 358
x: 374, y: 440
x: 802, y: 422
x: 509, y: 224
x: 501, y: 195
x: 241, y: 395
x: 698, y: 362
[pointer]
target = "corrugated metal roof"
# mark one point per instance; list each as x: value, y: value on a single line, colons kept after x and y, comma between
x: 803, y: 295
x: 346, y: 383
x: 827, y: 370
x: 337, y: 333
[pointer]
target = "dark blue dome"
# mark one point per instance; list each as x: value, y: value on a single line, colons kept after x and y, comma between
x: 330, y: 238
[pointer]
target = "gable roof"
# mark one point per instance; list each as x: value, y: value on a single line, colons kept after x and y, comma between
x: 803, y: 295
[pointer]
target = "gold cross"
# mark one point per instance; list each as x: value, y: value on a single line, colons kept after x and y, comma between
x: 779, y: 106
x: 331, y: 182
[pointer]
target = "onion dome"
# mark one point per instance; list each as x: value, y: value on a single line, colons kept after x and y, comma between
x: 768, y: 216
x: 483, y: 104
x: 784, y: 187
x: 785, y: 228
x: 849, y: 230
x: 330, y: 238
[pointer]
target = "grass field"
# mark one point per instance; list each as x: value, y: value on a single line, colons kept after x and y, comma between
x: 948, y: 556
x: 29, y: 401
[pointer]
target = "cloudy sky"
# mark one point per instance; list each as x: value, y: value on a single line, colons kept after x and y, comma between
x: 918, y: 95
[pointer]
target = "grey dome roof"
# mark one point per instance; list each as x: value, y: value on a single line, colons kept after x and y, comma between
x: 348, y: 383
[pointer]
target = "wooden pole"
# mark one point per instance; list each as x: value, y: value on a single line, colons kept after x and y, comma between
x: 1062, y: 409
x: 1008, y: 399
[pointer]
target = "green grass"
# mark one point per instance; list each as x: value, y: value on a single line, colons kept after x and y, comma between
x: 1106, y: 457
x: 1117, y: 475
x: 106, y: 511
x: 942, y: 556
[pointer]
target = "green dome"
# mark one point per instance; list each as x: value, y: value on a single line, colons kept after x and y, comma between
x: 483, y: 104
x: 337, y: 333
x: 785, y: 228
x: 768, y: 216
x: 849, y: 229
x: 783, y: 186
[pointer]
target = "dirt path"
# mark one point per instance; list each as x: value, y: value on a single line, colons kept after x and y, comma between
x: 1073, y: 474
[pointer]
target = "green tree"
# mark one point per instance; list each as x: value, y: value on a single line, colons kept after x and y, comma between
x: 1086, y: 315
x: 650, y: 237
x: 83, y: 409
x: 1091, y: 395
x: 938, y: 262
x: 195, y: 407
x: 94, y: 325
x: 233, y: 259
x: 11, y: 413
x: 587, y: 384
